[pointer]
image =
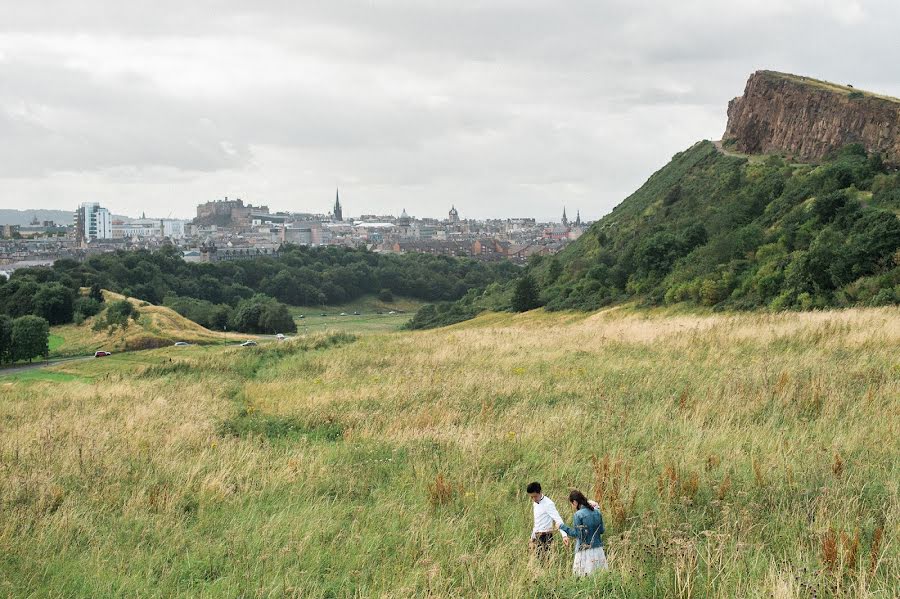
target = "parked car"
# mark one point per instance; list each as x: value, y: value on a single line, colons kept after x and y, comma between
x: 356, y: 314
x: 323, y: 314
x: 249, y: 343
x: 181, y: 343
x: 301, y: 316
x: 101, y: 354
x: 343, y: 314
x: 391, y: 312
x: 280, y: 337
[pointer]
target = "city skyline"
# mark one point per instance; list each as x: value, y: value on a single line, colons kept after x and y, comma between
x: 498, y: 108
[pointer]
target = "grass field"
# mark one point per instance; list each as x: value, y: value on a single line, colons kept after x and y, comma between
x: 374, y: 316
x: 754, y: 455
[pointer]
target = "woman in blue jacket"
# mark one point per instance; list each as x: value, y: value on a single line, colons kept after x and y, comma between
x: 587, y: 528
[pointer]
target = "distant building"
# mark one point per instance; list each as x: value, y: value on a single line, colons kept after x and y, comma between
x: 453, y: 217
x: 565, y: 220
x: 92, y: 222
x: 338, y: 211
x: 225, y: 213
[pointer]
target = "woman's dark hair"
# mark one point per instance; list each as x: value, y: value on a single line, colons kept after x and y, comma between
x: 579, y: 498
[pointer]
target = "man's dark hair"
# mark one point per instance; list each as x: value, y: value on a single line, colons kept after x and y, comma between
x: 533, y: 488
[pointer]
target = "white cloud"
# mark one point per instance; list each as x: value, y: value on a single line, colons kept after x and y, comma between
x: 499, y: 107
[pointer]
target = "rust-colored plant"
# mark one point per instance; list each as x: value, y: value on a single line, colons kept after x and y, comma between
x: 850, y: 548
x: 758, y: 473
x: 690, y: 485
x: 724, y: 487
x: 837, y: 466
x: 441, y: 491
x: 668, y: 481
x: 611, y: 479
x: 830, y: 550
x: 782, y: 382
x: 875, y: 551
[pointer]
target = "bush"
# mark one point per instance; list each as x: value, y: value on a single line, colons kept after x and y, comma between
x: 87, y: 307
x: 385, y: 295
x: 525, y: 295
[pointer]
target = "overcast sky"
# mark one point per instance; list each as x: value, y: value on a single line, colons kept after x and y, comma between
x: 503, y: 108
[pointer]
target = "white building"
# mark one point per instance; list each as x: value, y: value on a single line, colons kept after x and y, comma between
x: 173, y: 229
x: 92, y: 222
x: 149, y: 228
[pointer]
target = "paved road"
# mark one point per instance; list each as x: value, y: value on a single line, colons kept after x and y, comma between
x: 45, y: 364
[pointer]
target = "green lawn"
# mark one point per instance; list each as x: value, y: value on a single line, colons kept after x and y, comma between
x: 367, y: 321
x: 56, y: 341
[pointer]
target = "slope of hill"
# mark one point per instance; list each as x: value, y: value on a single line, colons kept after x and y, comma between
x: 743, y: 455
x: 728, y: 232
x: 722, y: 231
x: 156, y: 326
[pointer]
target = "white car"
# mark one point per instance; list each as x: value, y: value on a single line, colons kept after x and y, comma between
x: 280, y: 337
x: 181, y: 343
x: 249, y: 344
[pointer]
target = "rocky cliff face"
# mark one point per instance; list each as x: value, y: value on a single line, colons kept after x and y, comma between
x: 806, y: 118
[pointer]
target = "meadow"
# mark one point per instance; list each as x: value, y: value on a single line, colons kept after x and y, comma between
x: 374, y: 315
x: 749, y: 455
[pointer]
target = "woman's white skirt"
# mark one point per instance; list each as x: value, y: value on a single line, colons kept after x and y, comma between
x: 588, y: 561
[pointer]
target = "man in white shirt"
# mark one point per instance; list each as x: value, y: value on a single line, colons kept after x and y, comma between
x: 546, y: 518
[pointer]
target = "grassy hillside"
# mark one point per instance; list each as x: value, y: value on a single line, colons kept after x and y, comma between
x: 734, y: 456
x: 157, y: 326
x: 716, y: 230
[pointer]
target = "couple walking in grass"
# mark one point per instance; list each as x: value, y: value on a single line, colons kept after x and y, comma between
x: 587, y: 529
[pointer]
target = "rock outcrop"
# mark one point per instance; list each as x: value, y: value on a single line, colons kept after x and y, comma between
x: 807, y: 119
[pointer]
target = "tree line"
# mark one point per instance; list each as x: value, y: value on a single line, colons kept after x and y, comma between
x: 250, y: 295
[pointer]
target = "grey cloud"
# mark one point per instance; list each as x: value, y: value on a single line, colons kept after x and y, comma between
x: 500, y: 107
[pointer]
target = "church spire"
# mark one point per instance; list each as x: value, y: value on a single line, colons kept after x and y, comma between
x: 338, y: 212
x: 565, y: 219
x: 578, y: 218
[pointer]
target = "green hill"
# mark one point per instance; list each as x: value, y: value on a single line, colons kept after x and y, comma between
x: 729, y: 232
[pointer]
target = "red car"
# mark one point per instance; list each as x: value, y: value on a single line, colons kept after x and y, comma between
x: 101, y: 354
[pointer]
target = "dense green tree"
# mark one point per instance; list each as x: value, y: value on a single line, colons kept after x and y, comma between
x: 30, y: 338
x: 6, y: 346
x: 262, y: 314
x: 87, y: 307
x: 96, y: 293
x: 54, y: 303
x: 526, y: 294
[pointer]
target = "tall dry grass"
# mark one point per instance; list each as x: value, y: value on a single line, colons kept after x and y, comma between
x: 749, y: 455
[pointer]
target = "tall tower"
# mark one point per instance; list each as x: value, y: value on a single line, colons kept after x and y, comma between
x: 578, y: 218
x: 338, y: 213
x: 565, y: 219
x: 453, y: 215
